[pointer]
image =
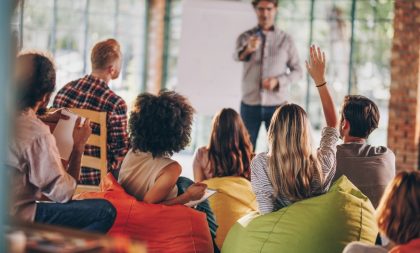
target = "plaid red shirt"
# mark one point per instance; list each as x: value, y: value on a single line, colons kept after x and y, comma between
x: 93, y: 93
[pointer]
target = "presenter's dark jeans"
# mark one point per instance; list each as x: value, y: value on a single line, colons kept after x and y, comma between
x: 183, y: 183
x: 93, y: 215
x: 253, y: 115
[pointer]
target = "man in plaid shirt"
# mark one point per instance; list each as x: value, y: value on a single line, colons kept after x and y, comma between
x: 92, y: 92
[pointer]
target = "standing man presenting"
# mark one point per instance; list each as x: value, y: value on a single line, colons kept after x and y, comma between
x: 271, y: 64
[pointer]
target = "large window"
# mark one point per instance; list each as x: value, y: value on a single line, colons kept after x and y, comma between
x: 69, y: 29
x: 357, y: 37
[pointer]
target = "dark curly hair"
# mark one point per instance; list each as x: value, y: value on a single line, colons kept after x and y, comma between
x: 161, y: 124
x: 35, y: 78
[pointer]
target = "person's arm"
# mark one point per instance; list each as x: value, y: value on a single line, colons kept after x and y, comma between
x: 80, y: 137
x: 261, y: 185
x: 316, y: 69
x: 117, y: 137
x: 197, y: 168
x: 166, y: 182
x: 328, y: 144
x: 46, y: 172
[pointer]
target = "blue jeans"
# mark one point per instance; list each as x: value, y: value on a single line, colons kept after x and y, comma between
x: 183, y: 183
x: 93, y: 215
x: 253, y: 115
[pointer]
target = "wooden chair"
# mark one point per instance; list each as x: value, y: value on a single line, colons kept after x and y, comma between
x: 95, y: 140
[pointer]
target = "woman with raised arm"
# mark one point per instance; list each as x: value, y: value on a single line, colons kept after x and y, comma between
x: 229, y: 152
x: 291, y: 170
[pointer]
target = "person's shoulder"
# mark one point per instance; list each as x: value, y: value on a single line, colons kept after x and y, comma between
x: 116, y: 100
x: 260, y: 160
x: 173, y: 168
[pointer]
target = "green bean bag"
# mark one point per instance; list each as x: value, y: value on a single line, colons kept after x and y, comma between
x: 323, y: 224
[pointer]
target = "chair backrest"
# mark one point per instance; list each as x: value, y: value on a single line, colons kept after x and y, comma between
x: 95, y: 140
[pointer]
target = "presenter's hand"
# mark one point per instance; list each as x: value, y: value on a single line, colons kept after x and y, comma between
x: 270, y: 83
x: 316, y: 65
x: 254, y: 43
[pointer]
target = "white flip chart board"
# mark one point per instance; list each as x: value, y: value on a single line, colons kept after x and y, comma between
x: 207, y: 73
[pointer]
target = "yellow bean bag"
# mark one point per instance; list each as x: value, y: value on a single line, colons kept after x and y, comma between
x: 233, y: 200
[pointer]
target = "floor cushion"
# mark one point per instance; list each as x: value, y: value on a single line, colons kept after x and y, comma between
x: 321, y: 224
x: 165, y: 229
x: 233, y: 200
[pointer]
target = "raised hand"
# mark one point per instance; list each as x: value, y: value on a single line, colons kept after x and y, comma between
x: 316, y: 65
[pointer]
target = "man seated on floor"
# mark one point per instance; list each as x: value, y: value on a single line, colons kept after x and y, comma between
x: 370, y: 168
x: 92, y: 92
x: 34, y: 162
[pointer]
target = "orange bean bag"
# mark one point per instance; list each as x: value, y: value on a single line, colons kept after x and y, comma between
x: 165, y: 229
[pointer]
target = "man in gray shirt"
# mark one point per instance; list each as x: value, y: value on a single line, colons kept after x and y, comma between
x: 270, y: 65
x: 368, y: 167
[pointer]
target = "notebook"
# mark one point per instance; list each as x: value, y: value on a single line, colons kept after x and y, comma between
x: 63, y: 134
x: 207, y: 194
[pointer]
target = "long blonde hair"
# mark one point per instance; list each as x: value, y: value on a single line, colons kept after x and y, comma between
x: 292, y: 162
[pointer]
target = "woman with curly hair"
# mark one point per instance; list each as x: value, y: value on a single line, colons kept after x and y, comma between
x: 398, y: 216
x: 229, y: 152
x: 159, y: 127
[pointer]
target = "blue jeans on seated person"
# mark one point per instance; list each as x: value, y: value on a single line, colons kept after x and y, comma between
x: 253, y: 115
x: 92, y: 215
x: 183, y: 183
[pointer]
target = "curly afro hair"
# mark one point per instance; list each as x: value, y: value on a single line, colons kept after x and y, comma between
x: 161, y: 124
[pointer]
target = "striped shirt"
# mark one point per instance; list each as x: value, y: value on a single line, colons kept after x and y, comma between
x: 263, y: 188
x: 276, y: 57
x: 94, y: 94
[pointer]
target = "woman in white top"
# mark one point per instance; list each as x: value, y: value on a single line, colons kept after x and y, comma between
x: 160, y: 126
x: 292, y: 170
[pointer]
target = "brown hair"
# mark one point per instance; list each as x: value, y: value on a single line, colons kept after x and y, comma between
x: 33, y: 86
x: 292, y: 162
x: 398, y: 213
x: 104, y: 53
x: 256, y: 2
x: 230, y: 148
x: 362, y: 114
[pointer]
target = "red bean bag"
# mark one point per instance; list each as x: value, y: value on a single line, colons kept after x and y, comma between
x: 165, y: 229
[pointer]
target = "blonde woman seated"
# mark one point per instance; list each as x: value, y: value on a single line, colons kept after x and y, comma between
x: 292, y: 171
x: 229, y: 152
x: 398, y: 217
x: 160, y: 126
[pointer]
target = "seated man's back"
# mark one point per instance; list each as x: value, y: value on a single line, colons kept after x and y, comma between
x: 93, y: 93
x: 369, y: 168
